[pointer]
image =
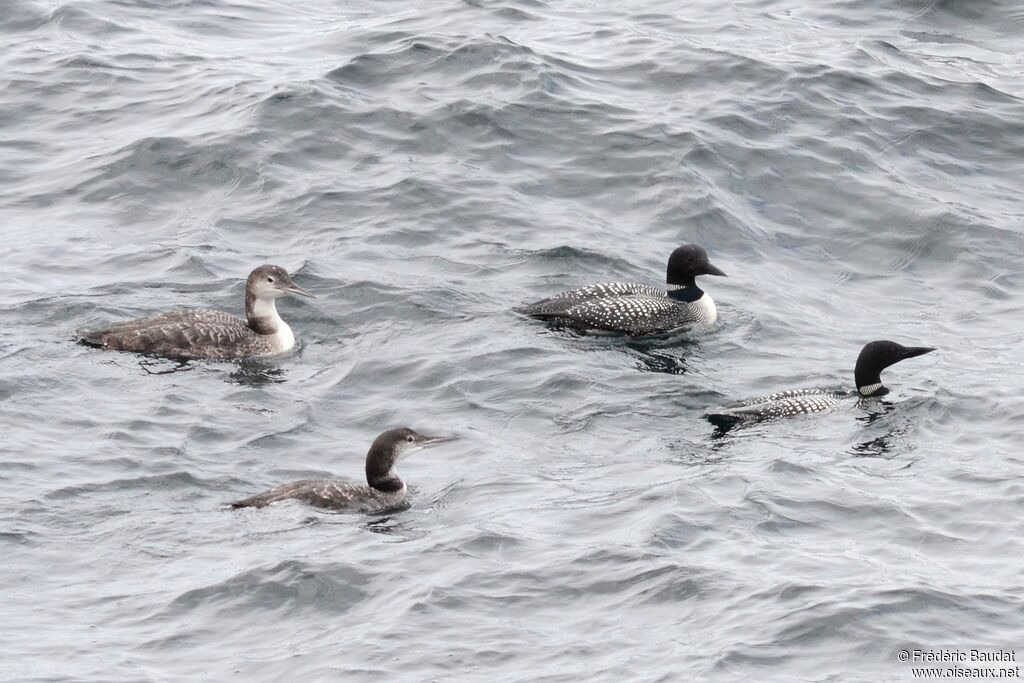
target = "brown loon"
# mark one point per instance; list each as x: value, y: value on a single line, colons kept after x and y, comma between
x: 203, y: 333
x: 633, y: 308
x: 384, y: 489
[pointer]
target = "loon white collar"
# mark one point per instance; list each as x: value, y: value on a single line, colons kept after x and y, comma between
x: 869, y: 390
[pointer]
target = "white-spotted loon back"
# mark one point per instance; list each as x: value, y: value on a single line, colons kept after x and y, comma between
x: 623, y: 307
x: 779, y: 405
x: 561, y: 302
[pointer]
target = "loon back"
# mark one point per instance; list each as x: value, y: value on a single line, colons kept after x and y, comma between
x: 189, y: 334
x: 780, y: 404
x: 630, y: 314
x: 330, y: 494
x: 562, y: 301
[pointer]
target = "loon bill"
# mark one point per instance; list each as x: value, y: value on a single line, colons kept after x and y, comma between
x: 384, y: 489
x: 203, y: 333
x: 633, y: 308
x: 874, y: 357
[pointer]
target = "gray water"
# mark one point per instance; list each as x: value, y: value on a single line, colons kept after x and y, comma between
x: 855, y: 167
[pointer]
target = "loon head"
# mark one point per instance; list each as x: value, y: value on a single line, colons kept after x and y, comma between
x: 686, y: 263
x: 390, y: 447
x: 877, y: 356
x: 270, y: 282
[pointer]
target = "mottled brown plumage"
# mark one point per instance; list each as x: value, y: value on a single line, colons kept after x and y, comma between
x: 384, y: 490
x: 203, y: 333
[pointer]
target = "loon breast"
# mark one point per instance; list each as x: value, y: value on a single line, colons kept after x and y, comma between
x: 703, y: 310
x: 284, y: 338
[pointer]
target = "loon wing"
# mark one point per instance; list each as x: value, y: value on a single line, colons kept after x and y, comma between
x: 629, y: 314
x: 563, y: 300
x: 197, y: 333
x: 332, y: 494
x: 781, y: 404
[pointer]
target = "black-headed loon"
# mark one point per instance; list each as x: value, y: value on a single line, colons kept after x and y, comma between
x: 202, y: 333
x: 874, y: 357
x: 384, y: 489
x: 634, y: 308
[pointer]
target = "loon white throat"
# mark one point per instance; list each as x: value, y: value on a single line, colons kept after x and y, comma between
x: 384, y: 489
x: 874, y: 357
x: 203, y: 333
x: 633, y: 308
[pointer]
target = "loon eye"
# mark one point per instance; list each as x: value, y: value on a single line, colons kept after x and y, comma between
x: 409, y: 439
x: 270, y: 279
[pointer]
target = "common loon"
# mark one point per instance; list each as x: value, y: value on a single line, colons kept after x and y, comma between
x: 634, y: 308
x: 386, y: 490
x: 202, y: 333
x: 874, y: 357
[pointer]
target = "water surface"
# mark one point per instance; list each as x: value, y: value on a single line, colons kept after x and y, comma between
x: 854, y: 167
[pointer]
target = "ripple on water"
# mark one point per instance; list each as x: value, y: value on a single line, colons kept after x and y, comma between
x: 854, y: 168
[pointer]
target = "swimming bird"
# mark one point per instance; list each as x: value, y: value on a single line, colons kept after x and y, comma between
x: 385, y: 490
x: 633, y: 308
x: 874, y: 357
x: 202, y: 333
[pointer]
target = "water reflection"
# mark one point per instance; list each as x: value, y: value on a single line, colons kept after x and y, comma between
x: 383, y: 524
x: 254, y: 373
x: 666, y: 353
x: 247, y: 372
x: 883, y: 445
x: 695, y: 454
x: 165, y: 366
x: 671, y: 362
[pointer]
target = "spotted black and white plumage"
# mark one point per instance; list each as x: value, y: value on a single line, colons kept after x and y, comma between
x: 873, y: 358
x: 604, y: 290
x: 634, y: 308
x: 383, y: 491
x: 788, y: 403
x: 202, y: 333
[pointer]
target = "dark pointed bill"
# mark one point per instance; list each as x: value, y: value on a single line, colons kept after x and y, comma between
x: 912, y: 351
x: 712, y: 270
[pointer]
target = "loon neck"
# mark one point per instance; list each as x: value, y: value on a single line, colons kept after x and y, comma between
x: 868, y: 377
x: 390, y: 484
x: 261, y: 314
x: 687, y: 291
x: 380, y: 471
